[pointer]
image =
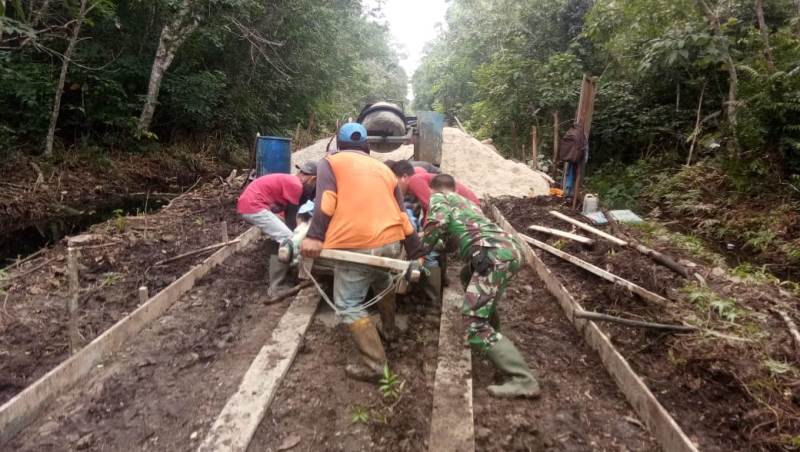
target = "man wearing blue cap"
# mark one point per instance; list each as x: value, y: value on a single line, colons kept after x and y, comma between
x: 359, y: 207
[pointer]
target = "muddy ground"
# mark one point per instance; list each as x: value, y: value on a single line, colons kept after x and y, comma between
x: 116, y: 259
x: 166, y: 388
x: 316, y: 406
x: 717, y: 389
x: 580, y: 409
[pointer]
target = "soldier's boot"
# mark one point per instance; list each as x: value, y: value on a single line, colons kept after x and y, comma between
x: 465, y: 275
x: 387, y: 308
x: 433, y: 286
x: 508, y: 360
x: 278, y: 275
x: 373, y: 357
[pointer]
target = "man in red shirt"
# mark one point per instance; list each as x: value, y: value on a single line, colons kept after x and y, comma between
x: 271, y: 197
x: 417, y: 184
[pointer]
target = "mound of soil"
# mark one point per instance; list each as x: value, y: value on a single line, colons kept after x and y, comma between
x: 715, y: 388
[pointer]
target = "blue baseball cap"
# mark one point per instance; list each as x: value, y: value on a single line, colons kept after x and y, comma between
x: 352, y: 134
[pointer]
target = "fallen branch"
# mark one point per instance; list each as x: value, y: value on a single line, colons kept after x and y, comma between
x: 589, y: 315
x: 26, y: 259
x: 638, y: 290
x: 288, y: 292
x: 789, y: 324
x: 197, y: 251
x: 559, y: 233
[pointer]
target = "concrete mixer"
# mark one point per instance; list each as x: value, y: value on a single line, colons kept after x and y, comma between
x: 388, y: 128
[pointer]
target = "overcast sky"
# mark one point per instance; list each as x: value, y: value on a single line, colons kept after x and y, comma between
x: 413, y: 23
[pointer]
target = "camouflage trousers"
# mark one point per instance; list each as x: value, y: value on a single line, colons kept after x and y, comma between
x: 483, y: 288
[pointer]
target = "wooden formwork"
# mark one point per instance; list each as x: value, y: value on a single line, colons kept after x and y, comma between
x: 658, y: 420
x: 16, y: 413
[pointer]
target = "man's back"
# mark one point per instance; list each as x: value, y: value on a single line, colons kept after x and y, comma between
x: 272, y: 191
x: 457, y: 217
x: 419, y: 186
x: 361, y: 202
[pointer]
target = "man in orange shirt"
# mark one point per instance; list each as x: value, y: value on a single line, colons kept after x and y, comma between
x: 359, y: 208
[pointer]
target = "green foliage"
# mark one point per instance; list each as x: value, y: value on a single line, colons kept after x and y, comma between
x: 708, y: 300
x: 390, y: 384
x: 359, y: 415
x: 249, y: 67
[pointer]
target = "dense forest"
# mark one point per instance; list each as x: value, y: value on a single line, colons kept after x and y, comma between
x: 124, y: 73
x: 697, y: 116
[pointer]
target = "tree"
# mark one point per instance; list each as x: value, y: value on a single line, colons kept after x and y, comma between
x: 173, y: 35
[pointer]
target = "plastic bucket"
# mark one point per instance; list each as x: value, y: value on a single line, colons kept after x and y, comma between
x: 273, y: 155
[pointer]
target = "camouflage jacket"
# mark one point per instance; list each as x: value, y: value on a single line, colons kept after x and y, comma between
x: 452, y: 216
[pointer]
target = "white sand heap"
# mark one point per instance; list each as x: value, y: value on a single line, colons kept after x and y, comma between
x: 472, y: 163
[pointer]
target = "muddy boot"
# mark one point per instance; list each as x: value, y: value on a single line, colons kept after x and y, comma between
x: 387, y: 308
x: 278, y: 275
x: 465, y: 275
x: 508, y: 360
x: 433, y: 286
x: 373, y: 357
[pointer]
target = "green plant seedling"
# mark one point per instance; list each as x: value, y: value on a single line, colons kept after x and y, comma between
x: 778, y: 367
x: 120, y: 222
x: 359, y: 415
x: 390, y: 384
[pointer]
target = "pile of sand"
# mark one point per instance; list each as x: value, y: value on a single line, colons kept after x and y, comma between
x: 472, y: 163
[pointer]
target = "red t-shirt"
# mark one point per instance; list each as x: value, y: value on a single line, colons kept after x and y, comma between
x: 273, y: 192
x: 420, y: 170
x: 419, y: 186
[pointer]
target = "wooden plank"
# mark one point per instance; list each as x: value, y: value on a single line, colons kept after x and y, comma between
x: 366, y: 259
x: 588, y: 228
x: 452, y: 427
x: 608, y: 276
x: 564, y: 234
x: 16, y: 413
x: 666, y: 431
x: 239, y: 419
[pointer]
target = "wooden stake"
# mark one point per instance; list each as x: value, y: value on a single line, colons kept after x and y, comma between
x: 696, y: 130
x: 198, y: 251
x: 225, y: 237
x: 535, y: 147
x: 576, y: 189
x: 608, y: 276
x: 143, y: 294
x: 586, y: 227
x: 556, y: 142
x: 637, y: 323
x: 72, y: 302
x: 559, y: 233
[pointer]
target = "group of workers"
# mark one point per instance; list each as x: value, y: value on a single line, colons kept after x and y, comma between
x: 367, y: 206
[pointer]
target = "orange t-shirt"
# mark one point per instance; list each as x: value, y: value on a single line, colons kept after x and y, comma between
x: 359, y: 204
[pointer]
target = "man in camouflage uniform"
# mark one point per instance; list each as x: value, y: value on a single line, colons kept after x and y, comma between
x: 492, y: 258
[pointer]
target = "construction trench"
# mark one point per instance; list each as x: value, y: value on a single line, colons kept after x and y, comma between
x: 209, y: 366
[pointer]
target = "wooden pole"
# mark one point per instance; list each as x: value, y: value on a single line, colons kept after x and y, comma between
x: 534, y: 147
x: 225, y: 237
x: 288, y: 292
x: 198, y: 251
x: 144, y: 295
x: 559, y: 233
x: 72, y: 302
x: 608, y: 276
x: 591, y: 229
x: 637, y: 323
x: 556, y: 143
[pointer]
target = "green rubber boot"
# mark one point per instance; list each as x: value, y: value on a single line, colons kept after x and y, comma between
x: 508, y: 360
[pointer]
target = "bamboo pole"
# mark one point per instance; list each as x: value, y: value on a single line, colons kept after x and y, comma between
x: 564, y: 234
x: 591, y: 229
x: 535, y: 147
x: 556, y: 143
x: 72, y: 302
x: 608, y: 276
x: 590, y: 315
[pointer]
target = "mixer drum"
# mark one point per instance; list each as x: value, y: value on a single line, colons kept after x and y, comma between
x: 383, y: 119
